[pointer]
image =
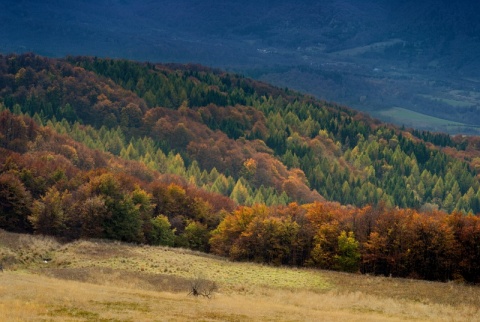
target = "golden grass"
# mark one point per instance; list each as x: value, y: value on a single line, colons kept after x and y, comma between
x: 181, y: 263
x: 104, y: 281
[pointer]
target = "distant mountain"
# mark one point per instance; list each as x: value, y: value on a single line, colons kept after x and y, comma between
x: 378, y: 56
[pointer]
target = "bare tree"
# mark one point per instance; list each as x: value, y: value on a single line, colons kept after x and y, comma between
x: 200, y: 286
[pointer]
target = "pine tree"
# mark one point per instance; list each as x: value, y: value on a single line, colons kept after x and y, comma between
x: 240, y: 193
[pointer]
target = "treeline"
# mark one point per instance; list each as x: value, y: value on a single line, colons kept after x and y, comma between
x: 374, y: 240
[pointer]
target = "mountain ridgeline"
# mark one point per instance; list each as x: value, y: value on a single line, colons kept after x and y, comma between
x: 166, y: 154
x: 255, y: 136
x: 386, y: 58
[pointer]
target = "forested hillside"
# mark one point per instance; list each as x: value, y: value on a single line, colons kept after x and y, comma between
x: 258, y: 138
x: 166, y: 154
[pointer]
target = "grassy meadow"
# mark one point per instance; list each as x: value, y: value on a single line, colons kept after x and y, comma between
x: 374, y: 47
x: 456, y: 98
x: 45, y: 280
x: 413, y: 119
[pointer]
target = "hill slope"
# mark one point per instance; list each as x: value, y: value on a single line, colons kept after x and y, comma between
x: 256, y: 136
x: 186, y: 156
x: 93, y: 280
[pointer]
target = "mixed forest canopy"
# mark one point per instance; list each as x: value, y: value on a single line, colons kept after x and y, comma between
x: 184, y: 155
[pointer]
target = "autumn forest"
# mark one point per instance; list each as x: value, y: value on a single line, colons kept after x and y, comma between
x: 187, y: 156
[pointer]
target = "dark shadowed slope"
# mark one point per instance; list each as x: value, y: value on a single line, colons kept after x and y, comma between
x: 372, y: 55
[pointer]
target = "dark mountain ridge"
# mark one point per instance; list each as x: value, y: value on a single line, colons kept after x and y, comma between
x: 383, y: 57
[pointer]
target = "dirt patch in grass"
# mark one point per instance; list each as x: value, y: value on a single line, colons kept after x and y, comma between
x: 117, y: 277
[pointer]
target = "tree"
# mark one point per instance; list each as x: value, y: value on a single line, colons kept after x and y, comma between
x: 124, y: 221
x: 200, y: 286
x: 49, y: 213
x: 15, y: 203
x: 348, y: 256
x: 196, y: 236
x: 161, y: 232
x: 13, y: 132
x: 88, y: 217
x: 374, y: 259
x: 68, y: 112
x: 267, y: 239
x: 467, y: 233
x: 143, y: 202
x: 438, y: 190
x: 325, y: 246
x: 228, y: 231
x: 432, y: 252
x: 240, y: 193
x: 449, y: 203
x: 220, y: 185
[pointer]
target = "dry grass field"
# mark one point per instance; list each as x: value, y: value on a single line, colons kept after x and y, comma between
x: 44, y: 280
